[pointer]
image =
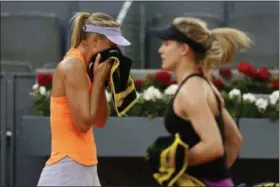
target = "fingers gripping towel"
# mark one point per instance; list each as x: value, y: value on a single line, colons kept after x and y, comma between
x: 120, y: 81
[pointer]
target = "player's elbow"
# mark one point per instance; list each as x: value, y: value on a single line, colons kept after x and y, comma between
x: 235, y: 141
x: 239, y: 139
x: 101, y: 121
x: 99, y: 124
x: 84, y: 122
x: 84, y: 128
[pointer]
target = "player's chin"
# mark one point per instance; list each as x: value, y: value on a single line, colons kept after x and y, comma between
x: 166, y: 67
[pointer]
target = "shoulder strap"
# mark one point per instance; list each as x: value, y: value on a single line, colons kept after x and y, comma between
x: 75, y: 53
x: 185, y: 80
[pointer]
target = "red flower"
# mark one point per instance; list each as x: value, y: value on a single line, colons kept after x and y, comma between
x: 243, y: 67
x: 263, y: 73
x: 44, y: 79
x: 218, y: 83
x: 247, y: 69
x: 275, y: 84
x: 163, y: 77
x: 138, y: 83
x: 225, y: 72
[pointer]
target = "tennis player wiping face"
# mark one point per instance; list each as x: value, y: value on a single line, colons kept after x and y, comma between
x: 77, y: 103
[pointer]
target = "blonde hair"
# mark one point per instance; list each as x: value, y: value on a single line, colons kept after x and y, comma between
x: 221, y: 44
x: 82, y: 18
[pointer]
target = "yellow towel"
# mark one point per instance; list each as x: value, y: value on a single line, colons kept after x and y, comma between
x: 164, y: 151
x: 267, y: 184
x: 123, y: 90
x: 121, y: 83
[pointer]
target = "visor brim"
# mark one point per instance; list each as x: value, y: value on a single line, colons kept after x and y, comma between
x: 164, y: 34
x: 119, y: 40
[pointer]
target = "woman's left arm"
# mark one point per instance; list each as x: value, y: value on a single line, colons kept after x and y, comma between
x: 103, y: 111
x: 210, y: 147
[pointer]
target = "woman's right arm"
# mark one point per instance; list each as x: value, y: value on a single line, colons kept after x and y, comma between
x: 233, y: 137
x: 83, y: 105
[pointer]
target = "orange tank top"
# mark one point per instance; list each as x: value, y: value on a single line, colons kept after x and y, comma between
x: 66, y: 140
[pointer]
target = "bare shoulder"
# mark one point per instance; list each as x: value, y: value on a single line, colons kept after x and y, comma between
x: 193, y: 91
x: 70, y: 66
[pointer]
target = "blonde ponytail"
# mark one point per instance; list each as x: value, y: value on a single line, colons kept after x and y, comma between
x: 77, y: 26
x: 224, y: 43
